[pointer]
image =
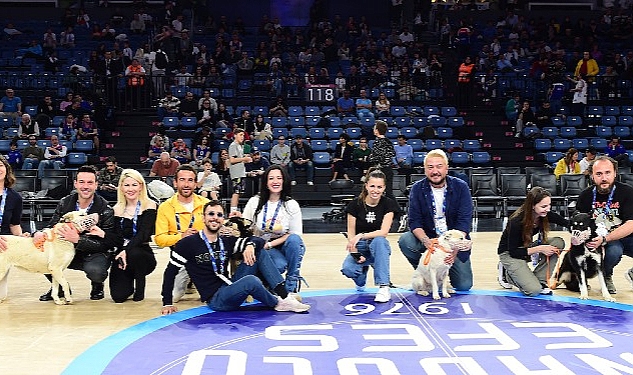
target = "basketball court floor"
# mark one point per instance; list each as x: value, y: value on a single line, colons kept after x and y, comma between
x: 489, y: 330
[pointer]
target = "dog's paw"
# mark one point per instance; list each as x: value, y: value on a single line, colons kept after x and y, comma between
x: 423, y: 293
x: 446, y: 295
x: 609, y: 299
x: 584, y: 296
x: 436, y: 296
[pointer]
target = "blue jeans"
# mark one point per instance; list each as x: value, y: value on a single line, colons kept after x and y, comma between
x: 460, y: 274
x: 288, y: 257
x: 230, y: 297
x: 49, y: 164
x: 263, y: 268
x: 309, y: 167
x: 30, y: 163
x: 614, y: 251
x: 376, y: 252
x: 406, y: 163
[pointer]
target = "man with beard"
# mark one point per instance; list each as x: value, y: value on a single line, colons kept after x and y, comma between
x: 179, y: 217
x: 206, y: 257
x: 610, y: 203
x: 439, y: 203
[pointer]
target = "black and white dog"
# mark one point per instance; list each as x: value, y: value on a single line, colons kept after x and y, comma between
x: 581, y: 263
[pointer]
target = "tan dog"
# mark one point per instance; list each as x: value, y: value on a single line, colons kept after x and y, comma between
x: 433, y: 270
x: 50, y: 257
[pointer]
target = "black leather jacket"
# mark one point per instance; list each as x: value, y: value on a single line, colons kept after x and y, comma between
x: 87, y: 243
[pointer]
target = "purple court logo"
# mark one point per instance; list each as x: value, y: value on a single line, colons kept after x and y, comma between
x: 347, y: 333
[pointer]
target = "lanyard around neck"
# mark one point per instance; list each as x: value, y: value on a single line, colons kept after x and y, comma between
x: 273, y: 219
x: 222, y: 254
x: 4, y: 201
x: 134, y: 219
x: 607, y: 207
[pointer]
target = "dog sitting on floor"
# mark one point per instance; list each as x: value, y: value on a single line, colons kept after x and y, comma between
x: 50, y: 257
x: 581, y: 263
x: 433, y: 270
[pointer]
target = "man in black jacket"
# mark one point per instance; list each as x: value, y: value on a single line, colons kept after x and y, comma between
x: 93, y: 249
x: 301, y: 158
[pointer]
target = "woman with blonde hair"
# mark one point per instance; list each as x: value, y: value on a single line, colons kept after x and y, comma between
x: 135, y: 214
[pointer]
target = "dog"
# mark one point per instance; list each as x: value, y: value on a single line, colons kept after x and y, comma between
x: 581, y: 263
x: 433, y: 270
x: 50, y: 256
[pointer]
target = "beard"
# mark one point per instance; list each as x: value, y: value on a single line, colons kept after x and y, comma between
x: 606, y: 190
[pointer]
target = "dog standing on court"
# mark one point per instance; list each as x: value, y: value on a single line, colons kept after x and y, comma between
x: 51, y: 257
x: 581, y: 263
x: 433, y: 270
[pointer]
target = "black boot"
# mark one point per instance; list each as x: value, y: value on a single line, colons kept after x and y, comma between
x: 139, y: 291
x: 97, y: 291
x: 48, y: 296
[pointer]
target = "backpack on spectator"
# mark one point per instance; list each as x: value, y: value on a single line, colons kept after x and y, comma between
x: 160, y: 61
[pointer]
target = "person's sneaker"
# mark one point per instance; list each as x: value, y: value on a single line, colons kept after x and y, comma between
x: 360, y: 288
x: 629, y: 276
x: 546, y: 292
x: 296, y: 296
x: 191, y: 288
x: 310, y: 183
x: 383, y: 295
x: 291, y: 304
x: 610, y: 286
x: 503, y: 281
x: 97, y: 291
x: 293, y: 183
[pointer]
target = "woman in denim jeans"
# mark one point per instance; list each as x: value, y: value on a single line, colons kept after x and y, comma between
x: 368, y: 221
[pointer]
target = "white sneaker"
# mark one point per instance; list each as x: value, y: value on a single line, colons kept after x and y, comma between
x: 383, y: 295
x: 291, y: 304
x: 293, y: 183
x: 310, y: 183
x: 547, y: 291
x: 360, y: 288
x: 502, y: 277
x: 296, y: 296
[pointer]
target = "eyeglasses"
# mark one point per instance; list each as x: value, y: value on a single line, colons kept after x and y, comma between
x: 216, y: 214
x: 362, y: 142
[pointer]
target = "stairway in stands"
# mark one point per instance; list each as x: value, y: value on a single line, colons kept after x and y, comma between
x: 131, y: 138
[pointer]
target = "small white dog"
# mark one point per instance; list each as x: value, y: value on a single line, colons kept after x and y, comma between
x: 51, y: 257
x: 433, y: 270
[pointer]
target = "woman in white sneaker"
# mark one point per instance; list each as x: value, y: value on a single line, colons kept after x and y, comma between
x: 526, y: 239
x: 369, y: 219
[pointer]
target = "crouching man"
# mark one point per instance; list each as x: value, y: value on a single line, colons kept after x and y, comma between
x: 206, y: 256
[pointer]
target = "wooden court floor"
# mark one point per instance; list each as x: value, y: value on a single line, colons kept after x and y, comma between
x: 42, y: 338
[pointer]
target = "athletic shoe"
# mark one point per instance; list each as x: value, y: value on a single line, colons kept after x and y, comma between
x: 629, y: 276
x: 310, y: 183
x: 610, y: 286
x: 291, y: 304
x: 503, y: 280
x: 296, y: 296
x: 547, y: 291
x: 360, y: 288
x: 383, y: 295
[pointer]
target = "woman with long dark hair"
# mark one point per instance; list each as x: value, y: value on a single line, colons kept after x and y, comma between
x: 525, y: 238
x: 277, y: 219
x: 11, y: 201
x: 369, y: 219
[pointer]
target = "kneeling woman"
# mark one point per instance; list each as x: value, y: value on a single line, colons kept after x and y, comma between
x: 369, y: 219
x: 517, y: 244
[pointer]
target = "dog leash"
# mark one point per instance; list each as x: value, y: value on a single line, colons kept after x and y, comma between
x: 431, y: 250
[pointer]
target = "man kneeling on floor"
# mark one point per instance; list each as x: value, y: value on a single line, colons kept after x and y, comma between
x: 206, y: 257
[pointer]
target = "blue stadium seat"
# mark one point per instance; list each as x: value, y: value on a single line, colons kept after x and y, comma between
x: 221, y: 132
x: 295, y: 110
x: 452, y: 143
x: 599, y: 143
x: 562, y: 144
x: 448, y: 111
x: 459, y: 157
x: 171, y: 122
x: 335, y: 121
x: 332, y: 144
x: 558, y: 121
x: 550, y: 132
x: 278, y: 132
x: 574, y: 121
x: 84, y: 145
x: 260, y: 110
x: 580, y: 143
x: 22, y: 144
x: 626, y: 110
x: 367, y: 121
x: 416, y: 144
x: 398, y: 111
x: 49, y: 132
x: 11, y: 133
x: 319, y: 145
x: 437, y: 121
x: 471, y: 145
x: 401, y: 122
x: 296, y: 122
x: 604, y: 131
x: 610, y: 121
x: 189, y: 122
x: 312, y: 110
x: 222, y: 144
x: 278, y: 122
x: 335, y: 133
x: 317, y: 133
x: 312, y: 120
x: 58, y: 120
x: 31, y: 110
x: 298, y: 131
x: 595, y: 111
x: 6, y: 122
x: 43, y: 143
x: 455, y: 122
x: 444, y: 133
x: 409, y: 132
x: 354, y: 133
x: 481, y: 157
x: 321, y: 159
x: 392, y: 133
x: 420, y: 122
x: 262, y: 144
x: 418, y: 158
x: 622, y: 131
x: 625, y: 121
x: 431, y: 110
x: 76, y: 158
x: 552, y: 157
x: 5, y: 145
x: 432, y: 144
x: 568, y: 132
x: 611, y: 110
x: 542, y: 144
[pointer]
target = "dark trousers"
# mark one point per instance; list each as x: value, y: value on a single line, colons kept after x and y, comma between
x: 140, y: 263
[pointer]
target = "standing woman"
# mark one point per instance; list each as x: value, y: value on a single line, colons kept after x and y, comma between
x: 277, y: 219
x: 11, y: 203
x: 135, y: 213
x: 517, y: 245
x: 368, y: 244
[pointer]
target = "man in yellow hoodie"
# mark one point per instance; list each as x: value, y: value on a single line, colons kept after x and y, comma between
x: 178, y: 217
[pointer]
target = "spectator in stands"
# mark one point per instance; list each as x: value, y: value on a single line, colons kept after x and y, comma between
x: 202, y: 150
x: 616, y: 150
x: 34, y: 50
x: 345, y: 105
x: 168, y: 106
x: 54, y: 156
x: 237, y: 170
x: 404, y: 153
x: 108, y: 179
x: 280, y: 153
x: 301, y: 158
x: 464, y: 83
x: 208, y: 182
x: 157, y: 147
x: 67, y: 38
x: 68, y: 128
x: 205, y: 115
x: 46, y: 110
x: 224, y: 163
x: 83, y: 19
x: 14, y: 156
x: 360, y: 156
x: 11, y: 105
x: 164, y: 167
x: 206, y: 95
x: 181, y: 152
x: 223, y: 118
x: 590, y: 156
x: 75, y: 109
x: 382, y: 154
x: 382, y: 105
x: 257, y: 166
x: 364, y: 106
x: 278, y: 108
x: 342, y: 157
x: 246, y: 122
x: 32, y: 154
x: 512, y: 109
x: 246, y: 65
x: 587, y: 67
x: 28, y: 127
x: 189, y: 106
x: 579, y: 101
x: 544, y: 115
x: 135, y: 84
x: 11, y: 32
x: 137, y: 25
x: 291, y: 81
x: 87, y: 130
x: 568, y: 164
x: 262, y: 129
x: 525, y: 116
x: 66, y: 102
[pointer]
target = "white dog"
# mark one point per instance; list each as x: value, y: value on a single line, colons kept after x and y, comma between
x: 51, y: 257
x: 433, y: 270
